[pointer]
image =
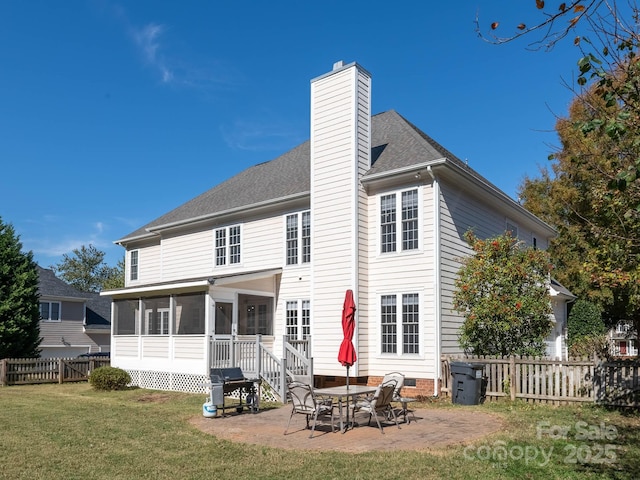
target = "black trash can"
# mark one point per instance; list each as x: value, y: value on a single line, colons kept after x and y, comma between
x: 467, y: 378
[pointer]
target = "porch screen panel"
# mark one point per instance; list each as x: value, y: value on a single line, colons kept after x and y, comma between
x: 189, y: 314
x: 155, y: 317
x: 125, y: 315
x: 255, y: 315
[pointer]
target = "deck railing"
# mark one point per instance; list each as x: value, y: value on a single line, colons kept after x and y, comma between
x: 256, y: 359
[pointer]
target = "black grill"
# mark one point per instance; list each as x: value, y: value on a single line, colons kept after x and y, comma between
x: 225, y: 381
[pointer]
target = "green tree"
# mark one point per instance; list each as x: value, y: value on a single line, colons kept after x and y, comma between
x: 86, y: 270
x: 19, y: 299
x: 503, y: 292
x: 597, y: 251
x: 116, y: 277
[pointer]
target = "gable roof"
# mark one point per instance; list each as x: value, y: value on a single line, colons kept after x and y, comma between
x: 396, y: 144
x: 98, y: 308
x: 51, y: 286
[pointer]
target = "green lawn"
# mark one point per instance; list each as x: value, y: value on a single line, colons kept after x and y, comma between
x: 71, y: 431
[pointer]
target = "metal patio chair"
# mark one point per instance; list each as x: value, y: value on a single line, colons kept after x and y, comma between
x: 380, y: 404
x: 305, y: 402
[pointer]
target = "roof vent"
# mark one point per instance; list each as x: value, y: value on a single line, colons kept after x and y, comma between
x: 338, y: 65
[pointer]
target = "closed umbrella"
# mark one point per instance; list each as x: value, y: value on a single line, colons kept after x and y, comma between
x: 347, y: 352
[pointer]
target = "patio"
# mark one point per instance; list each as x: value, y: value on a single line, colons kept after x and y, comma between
x: 435, y: 428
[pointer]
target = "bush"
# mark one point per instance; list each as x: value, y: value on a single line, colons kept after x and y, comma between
x: 590, y: 345
x: 109, y: 378
x: 585, y: 321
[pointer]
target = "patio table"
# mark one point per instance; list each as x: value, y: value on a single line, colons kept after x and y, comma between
x: 344, y: 392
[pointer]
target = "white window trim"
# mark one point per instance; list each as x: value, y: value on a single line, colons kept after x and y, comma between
x: 300, y: 237
x: 421, y: 323
x: 137, y: 265
x: 398, y: 194
x: 49, y: 320
x: 299, y: 307
x: 227, y: 247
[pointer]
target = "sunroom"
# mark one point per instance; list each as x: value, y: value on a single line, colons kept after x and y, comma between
x: 168, y: 336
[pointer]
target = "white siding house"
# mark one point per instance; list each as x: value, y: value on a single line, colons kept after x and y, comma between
x: 370, y: 203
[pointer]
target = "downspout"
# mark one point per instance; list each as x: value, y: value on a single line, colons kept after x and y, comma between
x: 436, y: 280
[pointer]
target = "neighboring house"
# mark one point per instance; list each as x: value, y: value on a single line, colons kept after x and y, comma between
x: 369, y: 203
x: 624, y: 342
x: 71, y: 322
x: 561, y: 297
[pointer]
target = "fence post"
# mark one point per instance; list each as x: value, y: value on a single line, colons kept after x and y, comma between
x: 3, y: 372
x: 512, y: 377
x: 60, y: 371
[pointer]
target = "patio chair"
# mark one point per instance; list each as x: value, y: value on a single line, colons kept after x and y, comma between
x: 397, y: 395
x: 380, y: 404
x: 399, y: 379
x: 305, y: 402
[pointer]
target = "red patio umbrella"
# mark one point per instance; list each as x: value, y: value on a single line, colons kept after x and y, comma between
x: 347, y: 352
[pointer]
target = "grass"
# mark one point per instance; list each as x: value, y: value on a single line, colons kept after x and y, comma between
x: 71, y: 432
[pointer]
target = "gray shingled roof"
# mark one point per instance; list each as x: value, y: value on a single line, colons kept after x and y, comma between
x: 396, y: 143
x: 98, y: 308
x: 52, y: 286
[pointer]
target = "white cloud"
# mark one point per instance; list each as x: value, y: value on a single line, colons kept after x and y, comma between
x: 147, y: 39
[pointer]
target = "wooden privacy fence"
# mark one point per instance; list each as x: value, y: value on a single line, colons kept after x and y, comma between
x: 22, y: 371
x: 535, y: 379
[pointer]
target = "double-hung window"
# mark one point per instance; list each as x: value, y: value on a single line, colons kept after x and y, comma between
x: 133, y: 265
x: 298, y: 319
x: 227, y: 246
x: 50, y: 311
x: 404, y: 225
x: 298, y: 238
x: 400, y: 323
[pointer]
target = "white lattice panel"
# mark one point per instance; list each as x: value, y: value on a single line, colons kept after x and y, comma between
x: 184, y: 382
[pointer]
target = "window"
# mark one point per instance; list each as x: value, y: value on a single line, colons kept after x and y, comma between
x: 298, y: 238
x: 50, y: 311
x: 133, y: 265
x: 400, y: 330
x: 298, y: 319
x: 407, y: 223
x: 512, y: 227
x: 227, y: 248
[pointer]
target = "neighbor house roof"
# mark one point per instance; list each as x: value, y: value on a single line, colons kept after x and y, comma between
x: 51, y: 286
x: 98, y: 309
x: 396, y: 144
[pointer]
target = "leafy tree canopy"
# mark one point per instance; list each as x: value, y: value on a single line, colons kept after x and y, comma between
x: 86, y: 270
x: 19, y: 298
x: 503, y: 292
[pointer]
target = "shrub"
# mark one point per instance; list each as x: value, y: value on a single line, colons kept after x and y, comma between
x: 109, y: 378
x: 590, y: 345
x: 585, y: 320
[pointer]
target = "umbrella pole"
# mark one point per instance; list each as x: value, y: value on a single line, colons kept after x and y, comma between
x: 347, y: 377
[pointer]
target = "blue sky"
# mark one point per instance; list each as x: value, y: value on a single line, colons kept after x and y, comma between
x: 113, y: 113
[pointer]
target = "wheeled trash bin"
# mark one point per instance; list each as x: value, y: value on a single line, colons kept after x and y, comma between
x: 467, y: 382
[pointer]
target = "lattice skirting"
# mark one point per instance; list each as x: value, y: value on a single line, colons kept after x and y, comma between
x: 185, y: 382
